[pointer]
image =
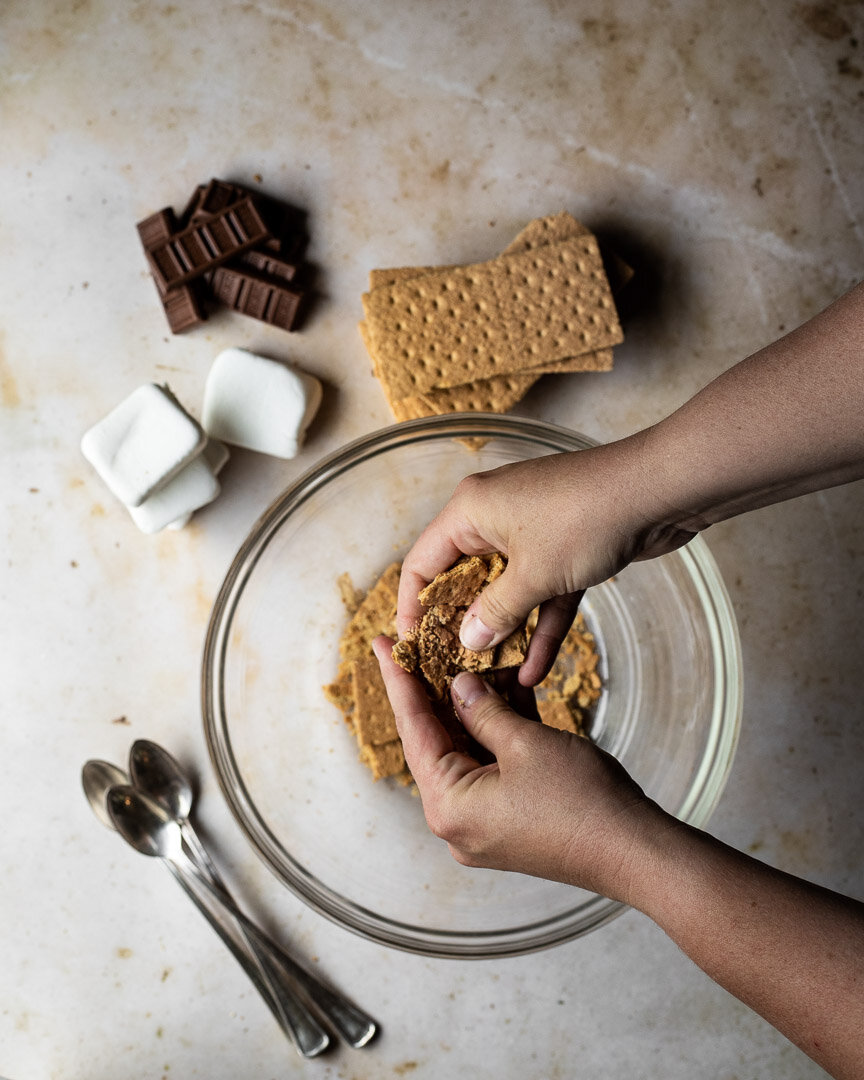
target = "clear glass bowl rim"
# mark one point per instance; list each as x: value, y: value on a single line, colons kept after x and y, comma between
x: 704, y: 793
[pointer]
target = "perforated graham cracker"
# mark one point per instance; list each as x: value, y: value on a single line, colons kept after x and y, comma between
x: 557, y: 301
x: 484, y: 395
x: 497, y: 394
x: 546, y: 230
x: 492, y: 319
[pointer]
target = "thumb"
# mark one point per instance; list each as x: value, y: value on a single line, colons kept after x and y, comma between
x: 498, y: 610
x: 485, y: 714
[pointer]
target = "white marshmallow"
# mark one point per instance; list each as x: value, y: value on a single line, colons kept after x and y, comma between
x: 142, y: 443
x: 259, y: 404
x: 193, y: 487
x: 216, y: 455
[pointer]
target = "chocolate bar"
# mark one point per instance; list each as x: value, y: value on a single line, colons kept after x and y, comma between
x: 182, y: 305
x: 202, y: 247
x: 270, y: 301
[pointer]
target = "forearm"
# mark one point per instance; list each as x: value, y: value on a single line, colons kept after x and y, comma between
x: 790, y: 950
x: 786, y: 421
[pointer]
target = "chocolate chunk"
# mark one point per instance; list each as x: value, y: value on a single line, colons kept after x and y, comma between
x: 265, y: 264
x: 183, y: 305
x: 215, y: 197
x: 202, y: 247
x: 183, y: 308
x: 268, y: 300
x: 157, y: 228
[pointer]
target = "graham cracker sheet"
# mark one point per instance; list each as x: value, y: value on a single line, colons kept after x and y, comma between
x: 537, y: 233
x: 386, y: 760
x: 374, y: 723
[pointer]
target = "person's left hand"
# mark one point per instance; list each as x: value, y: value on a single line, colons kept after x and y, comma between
x: 551, y: 804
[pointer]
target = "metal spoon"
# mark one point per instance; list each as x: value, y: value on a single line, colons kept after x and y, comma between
x: 145, y: 825
x: 98, y: 778
x: 157, y: 773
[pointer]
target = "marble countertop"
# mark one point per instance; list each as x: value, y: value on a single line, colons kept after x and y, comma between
x: 718, y: 147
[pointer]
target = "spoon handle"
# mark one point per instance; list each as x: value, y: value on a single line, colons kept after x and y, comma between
x: 295, y: 1020
x: 354, y: 1025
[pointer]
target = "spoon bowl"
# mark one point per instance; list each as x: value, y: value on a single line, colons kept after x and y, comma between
x: 97, y: 779
x: 143, y: 823
x: 156, y: 772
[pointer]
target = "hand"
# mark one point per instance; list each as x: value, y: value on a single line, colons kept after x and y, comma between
x: 569, y: 521
x: 565, y: 522
x: 552, y: 804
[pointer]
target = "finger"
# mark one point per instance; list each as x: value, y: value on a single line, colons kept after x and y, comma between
x: 433, y: 551
x: 428, y: 748
x: 485, y: 714
x: 498, y: 610
x: 553, y: 622
x: 442, y: 542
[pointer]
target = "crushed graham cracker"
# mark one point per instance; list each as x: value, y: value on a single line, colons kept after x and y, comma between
x: 433, y: 652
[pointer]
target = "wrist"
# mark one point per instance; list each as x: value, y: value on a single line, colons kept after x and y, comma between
x: 653, y: 483
x: 654, y: 852
x: 632, y: 859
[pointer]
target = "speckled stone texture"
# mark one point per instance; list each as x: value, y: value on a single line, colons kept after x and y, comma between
x: 717, y: 147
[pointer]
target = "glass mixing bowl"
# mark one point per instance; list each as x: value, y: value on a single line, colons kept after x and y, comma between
x: 360, y: 852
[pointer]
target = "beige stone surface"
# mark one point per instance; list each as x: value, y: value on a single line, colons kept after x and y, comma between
x: 717, y: 146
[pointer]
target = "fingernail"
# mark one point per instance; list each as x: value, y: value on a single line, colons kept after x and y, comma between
x: 475, y: 634
x: 468, y: 688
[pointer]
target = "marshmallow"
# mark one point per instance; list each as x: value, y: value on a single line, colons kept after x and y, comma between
x: 216, y: 455
x: 259, y: 404
x: 193, y: 487
x: 142, y: 443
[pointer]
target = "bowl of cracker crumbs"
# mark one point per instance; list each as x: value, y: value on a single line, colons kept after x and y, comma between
x: 307, y: 757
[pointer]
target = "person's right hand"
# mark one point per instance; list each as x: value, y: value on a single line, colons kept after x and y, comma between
x: 565, y: 522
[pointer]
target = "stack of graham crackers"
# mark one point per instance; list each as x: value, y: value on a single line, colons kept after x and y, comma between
x: 476, y: 338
